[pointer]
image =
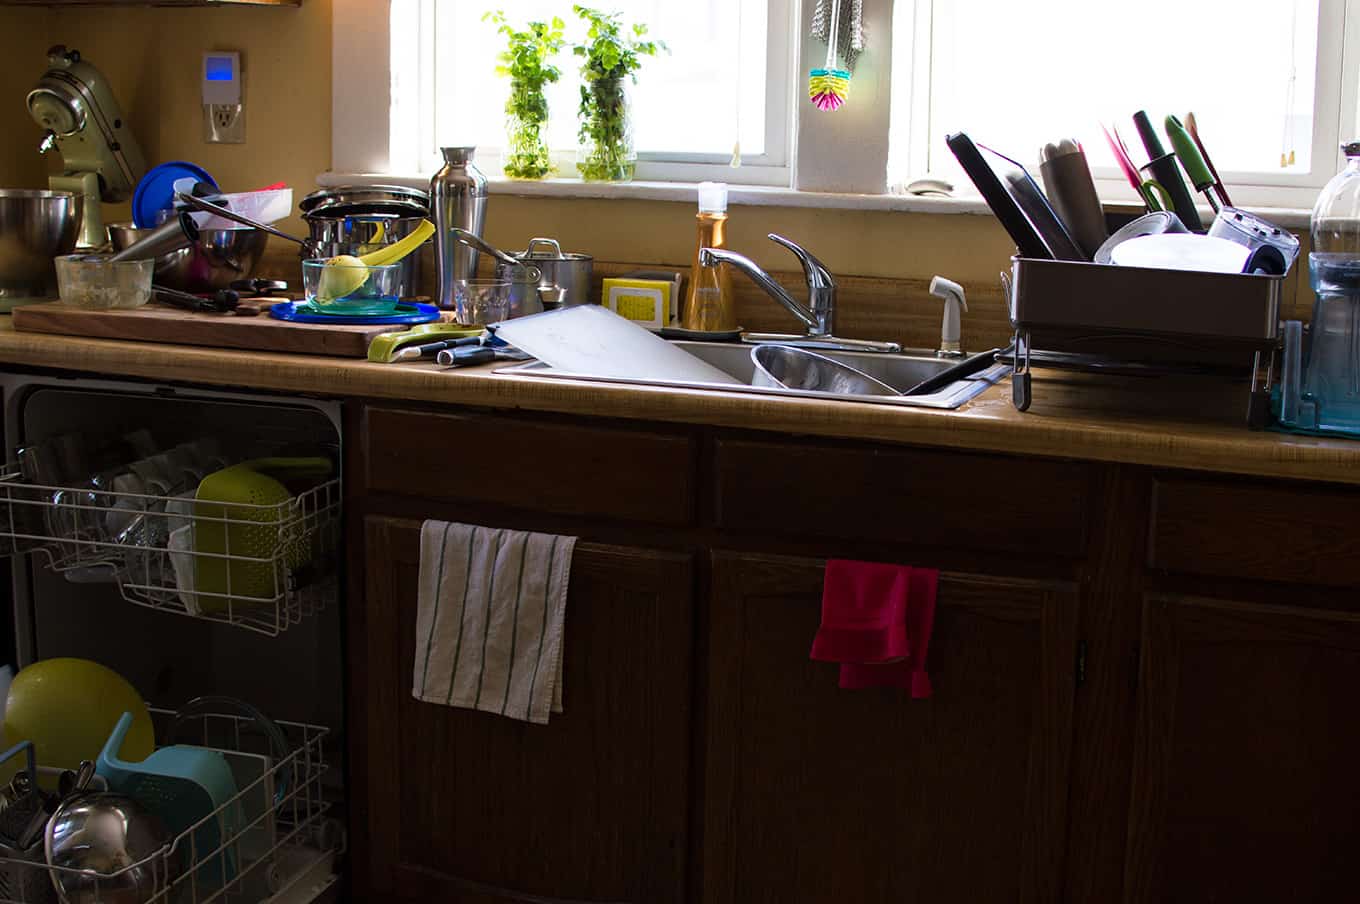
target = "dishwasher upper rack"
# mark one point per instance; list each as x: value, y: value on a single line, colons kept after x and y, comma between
x: 274, y: 832
x: 146, y: 545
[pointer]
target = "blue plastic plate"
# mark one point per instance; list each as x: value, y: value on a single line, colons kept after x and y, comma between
x: 406, y: 315
x: 156, y: 191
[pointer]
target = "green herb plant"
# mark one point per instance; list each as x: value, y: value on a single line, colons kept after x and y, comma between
x: 610, y: 54
x: 527, y: 61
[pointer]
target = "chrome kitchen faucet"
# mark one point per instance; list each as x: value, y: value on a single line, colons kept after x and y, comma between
x: 819, y: 315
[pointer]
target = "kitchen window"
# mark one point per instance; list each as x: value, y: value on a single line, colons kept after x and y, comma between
x: 723, y: 86
x: 1268, y: 80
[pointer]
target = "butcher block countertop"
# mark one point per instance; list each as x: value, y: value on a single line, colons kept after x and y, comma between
x: 1158, y: 422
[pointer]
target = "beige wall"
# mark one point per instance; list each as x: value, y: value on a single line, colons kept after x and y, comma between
x: 152, y: 57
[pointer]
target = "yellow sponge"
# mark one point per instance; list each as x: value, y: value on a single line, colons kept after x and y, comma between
x: 646, y: 302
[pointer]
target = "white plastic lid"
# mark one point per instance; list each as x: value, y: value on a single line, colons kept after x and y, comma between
x: 712, y: 197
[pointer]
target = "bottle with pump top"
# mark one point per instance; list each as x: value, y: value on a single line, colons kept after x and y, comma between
x: 709, y: 306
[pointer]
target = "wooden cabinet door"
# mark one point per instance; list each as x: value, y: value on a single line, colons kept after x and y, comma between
x: 817, y: 795
x: 464, y: 806
x: 1245, y: 787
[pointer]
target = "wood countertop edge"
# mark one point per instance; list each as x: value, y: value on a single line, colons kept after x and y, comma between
x: 987, y: 424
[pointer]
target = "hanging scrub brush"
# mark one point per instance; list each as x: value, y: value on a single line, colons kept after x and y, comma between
x: 828, y: 86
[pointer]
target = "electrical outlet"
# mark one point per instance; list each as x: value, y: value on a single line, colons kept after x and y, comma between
x: 224, y: 123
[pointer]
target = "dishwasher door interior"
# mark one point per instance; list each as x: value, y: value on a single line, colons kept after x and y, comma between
x: 172, y: 658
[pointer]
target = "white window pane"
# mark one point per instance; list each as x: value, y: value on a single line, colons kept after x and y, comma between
x: 697, y: 99
x: 1018, y: 75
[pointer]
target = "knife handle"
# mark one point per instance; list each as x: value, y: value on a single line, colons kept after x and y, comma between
x: 1189, y: 154
x: 1151, y: 142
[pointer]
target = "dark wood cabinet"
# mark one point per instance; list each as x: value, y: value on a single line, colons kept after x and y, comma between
x: 819, y: 795
x: 1245, y: 785
x: 466, y: 806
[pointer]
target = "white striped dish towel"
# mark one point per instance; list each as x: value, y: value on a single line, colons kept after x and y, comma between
x: 490, y: 619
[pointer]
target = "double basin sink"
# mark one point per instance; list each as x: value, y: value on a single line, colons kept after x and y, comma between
x: 902, y: 372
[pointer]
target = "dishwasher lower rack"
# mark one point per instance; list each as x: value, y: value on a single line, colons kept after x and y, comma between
x: 259, y: 567
x: 273, y: 840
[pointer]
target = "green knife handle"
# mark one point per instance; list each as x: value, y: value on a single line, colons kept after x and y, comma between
x: 1189, y: 154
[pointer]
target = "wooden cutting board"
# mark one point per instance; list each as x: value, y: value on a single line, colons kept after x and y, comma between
x: 157, y: 323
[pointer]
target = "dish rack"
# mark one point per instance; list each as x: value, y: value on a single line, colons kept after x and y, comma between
x: 1135, y: 320
x: 145, y: 544
x: 273, y: 831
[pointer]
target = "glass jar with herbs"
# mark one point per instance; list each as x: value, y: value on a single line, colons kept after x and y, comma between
x: 611, y: 56
x: 527, y: 61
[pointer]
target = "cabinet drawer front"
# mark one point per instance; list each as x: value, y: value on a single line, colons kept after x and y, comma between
x: 1294, y: 534
x: 910, y: 496
x: 566, y: 469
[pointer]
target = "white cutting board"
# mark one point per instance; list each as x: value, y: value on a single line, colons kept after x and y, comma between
x: 593, y: 341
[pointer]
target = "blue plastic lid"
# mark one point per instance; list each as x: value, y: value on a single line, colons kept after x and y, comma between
x: 156, y: 191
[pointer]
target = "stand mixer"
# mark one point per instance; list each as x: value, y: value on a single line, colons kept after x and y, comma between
x: 101, y: 159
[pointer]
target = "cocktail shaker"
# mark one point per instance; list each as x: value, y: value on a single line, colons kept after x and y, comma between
x: 457, y: 200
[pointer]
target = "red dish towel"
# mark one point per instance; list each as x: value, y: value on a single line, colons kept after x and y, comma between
x: 876, y: 621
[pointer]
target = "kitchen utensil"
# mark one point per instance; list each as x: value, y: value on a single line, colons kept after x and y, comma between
x: 1162, y: 168
x: 527, y: 294
x: 94, y: 281
x: 375, y: 292
x: 1248, y: 229
x: 1001, y: 197
x: 215, y: 259
x: 481, y: 301
x: 156, y: 193
x: 224, y: 301
x: 403, y: 314
x: 1195, y: 167
x: 133, y: 244
x: 67, y: 707
x: 35, y: 227
x: 457, y: 201
x: 183, y: 785
x: 1067, y: 179
x: 1181, y: 252
x: 1190, y: 127
x: 786, y: 367
x: 22, y: 877
x: 101, y: 161
x: 1157, y: 222
x: 237, y: 514
x: 965, y: 368
x: 1150, y: 191
x: 257, y: 288
x: 594, y: 341
x: 568, y: 271
x: 100, y: 847
x: 344, y: 275
x: 393, y: 346
x: 480, y: 353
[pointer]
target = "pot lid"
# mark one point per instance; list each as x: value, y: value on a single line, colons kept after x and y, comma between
x: 361, y: 198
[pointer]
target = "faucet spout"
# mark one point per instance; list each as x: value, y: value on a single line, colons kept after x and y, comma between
x: 713, y: 257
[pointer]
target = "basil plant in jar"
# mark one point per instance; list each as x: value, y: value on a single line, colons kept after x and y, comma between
x: 611, y: 57
x: 527, y: 61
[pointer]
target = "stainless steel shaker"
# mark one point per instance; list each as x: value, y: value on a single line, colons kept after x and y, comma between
x: 457, y: 200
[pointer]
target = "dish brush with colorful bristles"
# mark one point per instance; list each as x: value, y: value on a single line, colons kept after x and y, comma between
x: 829, y: 86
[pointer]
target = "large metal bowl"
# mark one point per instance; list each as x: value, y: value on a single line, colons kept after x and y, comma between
x: 786, y: 367
x: 35, y: 228
x: 218, y: 257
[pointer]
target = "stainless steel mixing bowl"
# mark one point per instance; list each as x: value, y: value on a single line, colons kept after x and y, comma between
x: 35, y: 227
x: 218, y: 257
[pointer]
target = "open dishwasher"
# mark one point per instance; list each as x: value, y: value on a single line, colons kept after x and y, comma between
x: 217, y: 599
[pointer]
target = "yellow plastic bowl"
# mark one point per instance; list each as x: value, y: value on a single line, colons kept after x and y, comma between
x: 67, y: 708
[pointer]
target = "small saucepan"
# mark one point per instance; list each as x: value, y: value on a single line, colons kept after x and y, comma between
x: 528, y: 294
x: 566, y: 271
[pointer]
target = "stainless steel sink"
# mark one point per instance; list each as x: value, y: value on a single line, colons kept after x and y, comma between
x: 901, y: 372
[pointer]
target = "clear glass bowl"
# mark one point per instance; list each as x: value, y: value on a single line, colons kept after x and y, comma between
x: 93, y: 281
x: 341, y: 289
x: 481, y: 301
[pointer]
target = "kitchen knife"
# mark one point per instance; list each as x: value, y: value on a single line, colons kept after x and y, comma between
x: 1161, y: 167
x: 431, y: 349
x: 1195, y: 167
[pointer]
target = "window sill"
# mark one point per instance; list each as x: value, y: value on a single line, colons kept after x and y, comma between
x: 757, y: 196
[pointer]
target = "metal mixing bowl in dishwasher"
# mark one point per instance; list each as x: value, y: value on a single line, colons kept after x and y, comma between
x: 36, y: 227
